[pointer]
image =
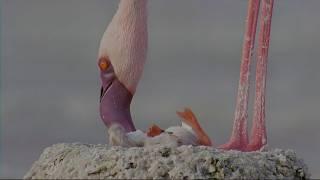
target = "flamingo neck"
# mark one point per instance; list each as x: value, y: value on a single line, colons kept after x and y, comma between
x: 133, y: 10
x: 128, y: 41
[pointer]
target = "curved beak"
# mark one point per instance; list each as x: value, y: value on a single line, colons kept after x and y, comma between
x: 115, y: 100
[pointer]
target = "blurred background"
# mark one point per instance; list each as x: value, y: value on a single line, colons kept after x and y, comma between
x: 50, y: 84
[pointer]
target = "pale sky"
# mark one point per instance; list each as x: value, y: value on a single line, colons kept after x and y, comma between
x: 50, y: 83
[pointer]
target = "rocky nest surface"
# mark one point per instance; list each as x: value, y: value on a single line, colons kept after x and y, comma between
x: 85, y: 161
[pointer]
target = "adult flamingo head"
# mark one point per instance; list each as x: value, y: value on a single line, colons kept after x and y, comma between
x: 121, y: 59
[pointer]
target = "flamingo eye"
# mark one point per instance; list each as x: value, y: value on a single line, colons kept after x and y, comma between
x: 104, y: 64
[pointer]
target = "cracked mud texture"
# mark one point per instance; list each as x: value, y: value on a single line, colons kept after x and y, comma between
x: 85, y: 161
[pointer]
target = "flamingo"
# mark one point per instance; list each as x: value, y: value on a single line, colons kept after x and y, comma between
x: 121, y: 59
x: 122, y: 55
x: 258, y: 138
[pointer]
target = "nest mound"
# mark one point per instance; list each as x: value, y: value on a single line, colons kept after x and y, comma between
x: 84, y: 161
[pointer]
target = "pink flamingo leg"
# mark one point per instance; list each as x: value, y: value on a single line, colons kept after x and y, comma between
x: 258, y: 134
x: 239, y: 137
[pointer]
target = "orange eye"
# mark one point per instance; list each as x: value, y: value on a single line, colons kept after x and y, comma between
x: 104, y: 64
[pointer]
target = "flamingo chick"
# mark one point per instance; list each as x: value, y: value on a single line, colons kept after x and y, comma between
x: 188, y: 133
x: 121, y: 59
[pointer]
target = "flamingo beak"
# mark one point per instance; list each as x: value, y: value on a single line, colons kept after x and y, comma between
x: 115, y: 100
x: 115, y: 106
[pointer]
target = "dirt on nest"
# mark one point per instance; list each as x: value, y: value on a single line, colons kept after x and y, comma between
x: 85, y: 161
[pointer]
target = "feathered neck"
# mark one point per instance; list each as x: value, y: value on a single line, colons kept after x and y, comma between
x: 131, y: 18
x: 132, y: 5
x: 125, y: 42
